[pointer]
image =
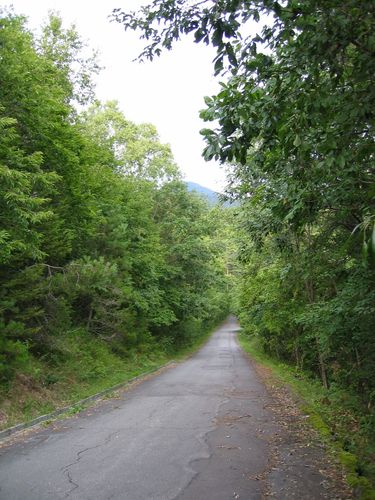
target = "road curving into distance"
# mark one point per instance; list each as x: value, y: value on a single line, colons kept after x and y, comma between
x: 203, y: 429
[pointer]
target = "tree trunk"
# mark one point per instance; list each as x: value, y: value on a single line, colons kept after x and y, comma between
x: 322, y: 366
x: 323, y: 371
x: 89, y: 318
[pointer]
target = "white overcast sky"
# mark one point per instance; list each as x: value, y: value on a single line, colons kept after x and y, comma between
x: 167, y: 92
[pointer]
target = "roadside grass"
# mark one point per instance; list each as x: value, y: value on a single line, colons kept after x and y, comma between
x: 87, y: 367
x: 346, y: 428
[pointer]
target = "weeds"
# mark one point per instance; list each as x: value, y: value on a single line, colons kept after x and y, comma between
x: 343, y: 423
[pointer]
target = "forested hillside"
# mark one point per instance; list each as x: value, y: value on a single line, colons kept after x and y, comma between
x: 294, y: 122
x: 107, y: 262
x: 211, y: 196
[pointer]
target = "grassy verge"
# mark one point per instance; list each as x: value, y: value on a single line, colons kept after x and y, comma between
x: 85, y: 366
x: 342, y: 423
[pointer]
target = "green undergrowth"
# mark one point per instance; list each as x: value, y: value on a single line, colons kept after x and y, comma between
x: 344, y: 425
x: 82, y: 366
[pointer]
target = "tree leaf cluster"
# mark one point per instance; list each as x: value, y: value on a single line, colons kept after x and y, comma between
x: 293, y: 121
x: 98, y: 234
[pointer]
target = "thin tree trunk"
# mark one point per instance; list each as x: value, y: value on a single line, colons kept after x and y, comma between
x: 323, y: 371
x: 322, y: 366
x: 89, y: 318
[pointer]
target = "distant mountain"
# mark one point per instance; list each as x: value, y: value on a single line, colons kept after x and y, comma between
x: 211, y: 196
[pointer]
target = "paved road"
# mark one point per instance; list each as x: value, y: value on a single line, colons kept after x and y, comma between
x: 199, y: 430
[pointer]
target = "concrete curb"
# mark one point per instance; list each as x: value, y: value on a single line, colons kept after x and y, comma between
x: 25, y: 425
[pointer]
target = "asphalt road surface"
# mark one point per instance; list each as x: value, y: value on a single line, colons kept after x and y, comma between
x: 203, y: 429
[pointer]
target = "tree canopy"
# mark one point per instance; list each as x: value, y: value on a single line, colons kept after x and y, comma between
x: 293, y: 121
x: 99, y: 235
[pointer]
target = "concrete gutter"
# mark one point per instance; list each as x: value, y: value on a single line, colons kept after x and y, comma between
x: 60, y: 411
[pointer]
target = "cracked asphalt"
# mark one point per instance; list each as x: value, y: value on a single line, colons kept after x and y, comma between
x: 202, y: 429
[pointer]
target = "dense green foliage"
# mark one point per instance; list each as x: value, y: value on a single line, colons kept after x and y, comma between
x: 103, y: 247
x: 295, y: 121
x: 100, y: 239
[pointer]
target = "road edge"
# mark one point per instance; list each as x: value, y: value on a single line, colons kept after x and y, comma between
x: 66, y: 409
x: 359, y: 487
x: 5, y: 433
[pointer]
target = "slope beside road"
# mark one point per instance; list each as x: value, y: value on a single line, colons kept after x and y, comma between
x: 204, y: 429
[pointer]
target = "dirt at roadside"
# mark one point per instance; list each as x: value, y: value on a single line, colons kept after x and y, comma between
x: 299, y: 462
